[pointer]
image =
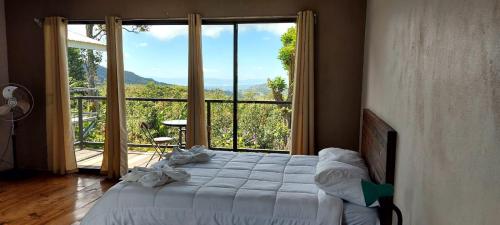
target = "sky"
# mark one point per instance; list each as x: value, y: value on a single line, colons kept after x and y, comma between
x: 162, y: 53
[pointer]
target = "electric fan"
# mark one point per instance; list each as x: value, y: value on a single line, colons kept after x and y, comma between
x: 16, y: 103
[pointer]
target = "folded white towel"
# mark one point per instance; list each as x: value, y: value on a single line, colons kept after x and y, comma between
x: 154, y: 179
x: 156, y: 176
x: 177, y: 174
x: 196, y: 154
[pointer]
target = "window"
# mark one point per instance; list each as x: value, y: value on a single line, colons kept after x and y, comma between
x: 257, y: 89
x: 156, y: 67
x: 247, y: 77
x: 217, y: 44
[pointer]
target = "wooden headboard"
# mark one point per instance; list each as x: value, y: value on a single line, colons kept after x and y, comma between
x: 378, y: 148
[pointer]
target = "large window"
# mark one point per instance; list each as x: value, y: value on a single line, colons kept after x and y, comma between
x: 247, y: 76
x: 218, y: 59
x: 156, y: 65
x: 256, y: 108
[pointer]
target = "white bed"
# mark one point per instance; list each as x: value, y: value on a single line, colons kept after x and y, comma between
x: 233, y: 188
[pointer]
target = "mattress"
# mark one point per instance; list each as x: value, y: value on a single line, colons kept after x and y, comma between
x: 233, y: 188
x: 359, y: 215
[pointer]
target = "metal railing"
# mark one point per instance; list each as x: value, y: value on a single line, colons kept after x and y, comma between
x: 82, y: 131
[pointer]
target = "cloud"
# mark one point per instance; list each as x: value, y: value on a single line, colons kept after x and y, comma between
x: 168, y: 32
x: 210, y: 70
x: 127, y: 55
x: 275, y: 28
x: 79, y: 29
x: 143, y: 44
x: 214, y: 31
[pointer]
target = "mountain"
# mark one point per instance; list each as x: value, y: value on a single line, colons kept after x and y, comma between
x: 130, y: 77
x: 133, y: 78
x: 262, y: 89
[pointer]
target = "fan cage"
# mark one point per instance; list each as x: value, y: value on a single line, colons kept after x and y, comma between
x: 16, y: 115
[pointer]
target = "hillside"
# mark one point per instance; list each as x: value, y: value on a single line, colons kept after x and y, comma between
x: 130, y: 77
x: 133, y: 78
x: 262, y: 89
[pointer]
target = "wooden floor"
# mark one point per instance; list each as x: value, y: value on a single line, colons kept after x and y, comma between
x: 92, y: 158
x: 49, y: 199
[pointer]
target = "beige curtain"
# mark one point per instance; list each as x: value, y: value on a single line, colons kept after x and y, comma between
x: 302, y: 136
x: 61, y: 156
x: 114, y: 163
x: 196, y: 131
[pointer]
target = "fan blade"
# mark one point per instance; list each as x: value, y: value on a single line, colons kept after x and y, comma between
x: 4, y: 110
x: 24, y: 106
x: 7, y: 91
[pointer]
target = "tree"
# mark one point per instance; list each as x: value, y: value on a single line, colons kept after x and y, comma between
x: 277, y: 85
x: 287, y: 56
x: 93, y: 58
x: 75, y: 67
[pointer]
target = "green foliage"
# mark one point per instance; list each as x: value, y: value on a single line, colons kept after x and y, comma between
x: 287, y: 51
x: 261, y: 126
x: 75, y: 65
x: 277, y: 86
x: 286, y: 55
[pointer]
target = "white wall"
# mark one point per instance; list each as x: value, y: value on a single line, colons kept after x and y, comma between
x: 432, y: 72
x: 4, y: 78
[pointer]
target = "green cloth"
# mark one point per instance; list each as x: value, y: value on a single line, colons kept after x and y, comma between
x: 372, y: 192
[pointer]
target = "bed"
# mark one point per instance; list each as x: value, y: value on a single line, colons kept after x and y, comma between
x: 250, y: 188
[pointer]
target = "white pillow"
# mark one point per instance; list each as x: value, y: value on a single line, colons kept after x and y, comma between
x: 343, y: 155
x: 339, y: 172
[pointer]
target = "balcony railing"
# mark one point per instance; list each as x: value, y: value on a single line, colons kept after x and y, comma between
x: 90, y: 120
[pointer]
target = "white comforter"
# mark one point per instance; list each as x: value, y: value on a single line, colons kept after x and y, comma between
x: 233, y: 188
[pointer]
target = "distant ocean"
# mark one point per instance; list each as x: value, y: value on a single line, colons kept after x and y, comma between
x: 222, y: 84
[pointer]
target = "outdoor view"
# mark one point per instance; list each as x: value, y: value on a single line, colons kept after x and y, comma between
x: 156, y: 67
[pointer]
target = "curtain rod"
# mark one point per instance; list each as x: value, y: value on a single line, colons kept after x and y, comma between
x: 39, y: 21
x: 220, y: 18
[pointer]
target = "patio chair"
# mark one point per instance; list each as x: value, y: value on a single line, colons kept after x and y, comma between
x: 160, y: 144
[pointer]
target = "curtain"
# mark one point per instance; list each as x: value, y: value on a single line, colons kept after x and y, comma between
x: 302, y: 136
x: 196, y: 131
x: 61, y: 156
x: 114, y: 163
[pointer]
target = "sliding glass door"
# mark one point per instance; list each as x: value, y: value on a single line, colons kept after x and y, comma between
x: 87, y: 79
x: 247, y: 68
x: 264, y: 111
x: 218, y: 60
x: 156, y: 66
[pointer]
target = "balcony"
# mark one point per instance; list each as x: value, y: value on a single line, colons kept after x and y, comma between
x: 252, y: 133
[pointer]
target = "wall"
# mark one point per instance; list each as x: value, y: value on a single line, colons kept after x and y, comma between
x: 432, y: 71
x: 339, y: 56
x: 5, y: 151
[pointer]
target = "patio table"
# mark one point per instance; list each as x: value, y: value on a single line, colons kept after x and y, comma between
x: 176, y: 123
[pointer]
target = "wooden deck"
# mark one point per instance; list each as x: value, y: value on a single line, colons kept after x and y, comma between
x: 92, y: 158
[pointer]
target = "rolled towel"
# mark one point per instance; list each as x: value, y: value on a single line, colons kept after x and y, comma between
x: 176, y: 173
x: 135, y: 174
x: 196, y: 154
x: 202, y: 149
x: 154, y: 179
x: 156, y: 176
